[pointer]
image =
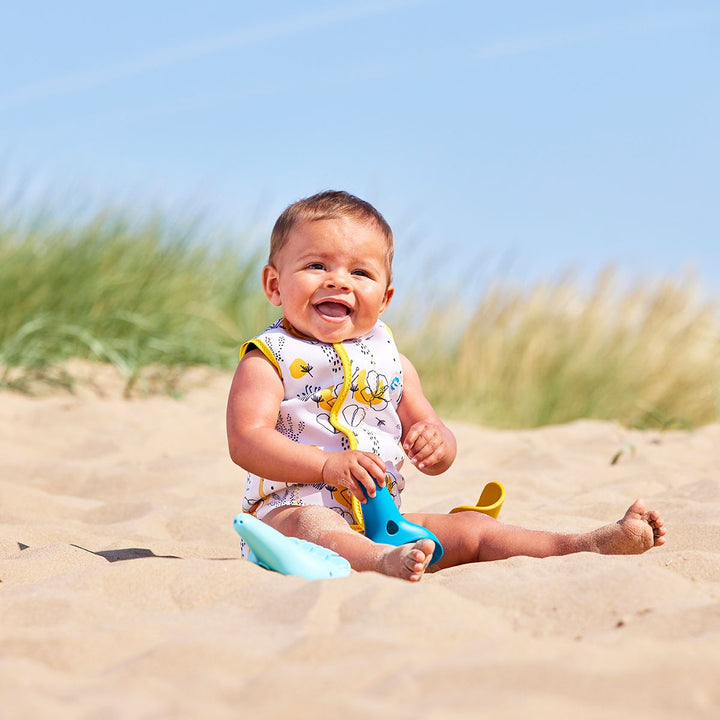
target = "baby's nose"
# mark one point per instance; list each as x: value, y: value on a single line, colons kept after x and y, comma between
x: 338, y: 280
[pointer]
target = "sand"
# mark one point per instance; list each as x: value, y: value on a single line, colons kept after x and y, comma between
x: 123, y: 594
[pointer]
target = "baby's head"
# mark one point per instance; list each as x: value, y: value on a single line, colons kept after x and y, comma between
x: 330, y: 204
x: 330, y: 266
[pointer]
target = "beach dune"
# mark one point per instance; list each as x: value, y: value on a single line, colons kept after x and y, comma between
x: 123, y: 594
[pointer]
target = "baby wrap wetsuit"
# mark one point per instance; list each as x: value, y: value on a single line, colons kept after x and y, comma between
x: 341, y: 396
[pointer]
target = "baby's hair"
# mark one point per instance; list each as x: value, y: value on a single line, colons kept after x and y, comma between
x: 326, y: 205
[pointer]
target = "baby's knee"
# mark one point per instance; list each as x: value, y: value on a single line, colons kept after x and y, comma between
x: 472, y: 532
x: 307, y: 521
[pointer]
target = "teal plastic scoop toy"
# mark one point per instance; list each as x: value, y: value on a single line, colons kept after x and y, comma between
x: 289, y: 556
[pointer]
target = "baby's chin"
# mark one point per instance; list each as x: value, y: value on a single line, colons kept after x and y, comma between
x: 334, y: 337
x: 326, y: 330
x: 332, y: 334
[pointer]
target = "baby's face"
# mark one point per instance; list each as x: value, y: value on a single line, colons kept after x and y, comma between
x: 331, y: 279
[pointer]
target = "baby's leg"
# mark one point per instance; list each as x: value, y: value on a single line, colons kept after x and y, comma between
x: 325, y: 527
x: 474, y: 537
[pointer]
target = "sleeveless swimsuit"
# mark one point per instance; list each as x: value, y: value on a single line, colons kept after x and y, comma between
x: 337, y: 397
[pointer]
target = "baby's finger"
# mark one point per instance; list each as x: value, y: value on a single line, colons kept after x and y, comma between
x: 429, y: 457
x: 411, y: 438
x: 419, y: 435
x: 430, y: 451
x: 359, y: 490
x: 421, y: 442
x: 425, y: 442
x: 372, y: 472
x: 376, y: 468
x: 422, y: 456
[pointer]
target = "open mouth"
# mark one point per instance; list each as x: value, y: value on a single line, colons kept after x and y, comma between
x: 331, y: 309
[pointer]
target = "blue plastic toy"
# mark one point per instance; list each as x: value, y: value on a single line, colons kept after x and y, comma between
x: 385, y: 524
x: 290, y: 556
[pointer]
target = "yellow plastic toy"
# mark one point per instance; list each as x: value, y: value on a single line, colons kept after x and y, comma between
x: 489, y: 502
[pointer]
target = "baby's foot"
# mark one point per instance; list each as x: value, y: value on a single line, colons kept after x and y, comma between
x: 637, y: 531
x: 408, y: 562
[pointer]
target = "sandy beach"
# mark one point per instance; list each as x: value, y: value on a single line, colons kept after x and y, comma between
x: 123, y: 594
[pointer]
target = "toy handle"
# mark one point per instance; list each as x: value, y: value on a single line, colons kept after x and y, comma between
x: 385, y: 524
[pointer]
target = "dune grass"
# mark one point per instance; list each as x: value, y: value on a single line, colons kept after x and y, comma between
x: 646, y: 357
x: 134, y: 294
x: 148, y: 293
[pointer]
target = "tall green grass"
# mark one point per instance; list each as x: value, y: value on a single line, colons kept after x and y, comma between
x: 151, y: 294
x: 134, y: 294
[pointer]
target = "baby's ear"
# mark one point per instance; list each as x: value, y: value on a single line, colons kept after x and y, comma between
x: 271, y: 284
x: 386, y: 300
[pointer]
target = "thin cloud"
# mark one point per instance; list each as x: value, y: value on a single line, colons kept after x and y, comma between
x: 168, y: 57
x: 526, y: 45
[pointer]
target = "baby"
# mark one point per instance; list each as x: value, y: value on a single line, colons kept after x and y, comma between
x: 323, y: 408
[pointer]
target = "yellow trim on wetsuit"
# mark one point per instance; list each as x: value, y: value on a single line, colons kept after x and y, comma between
x: 264, y: 349
x: 346, y: 431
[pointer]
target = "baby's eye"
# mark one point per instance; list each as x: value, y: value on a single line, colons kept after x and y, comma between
x: 362, y: 273
x: 315, y: 266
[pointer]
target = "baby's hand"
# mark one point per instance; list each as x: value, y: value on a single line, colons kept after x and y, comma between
x: 354, y: 470
x: 427, y: 445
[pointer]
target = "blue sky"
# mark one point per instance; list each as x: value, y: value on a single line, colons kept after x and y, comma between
x: 517, y: 139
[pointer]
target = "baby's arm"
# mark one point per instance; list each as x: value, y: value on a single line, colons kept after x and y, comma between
x: 254, y: 443
x: 428, y: 442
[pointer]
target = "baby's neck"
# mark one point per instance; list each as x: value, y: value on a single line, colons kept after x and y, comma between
x: 290, y: 329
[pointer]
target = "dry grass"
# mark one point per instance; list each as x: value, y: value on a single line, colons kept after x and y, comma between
x: 647, y: 357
